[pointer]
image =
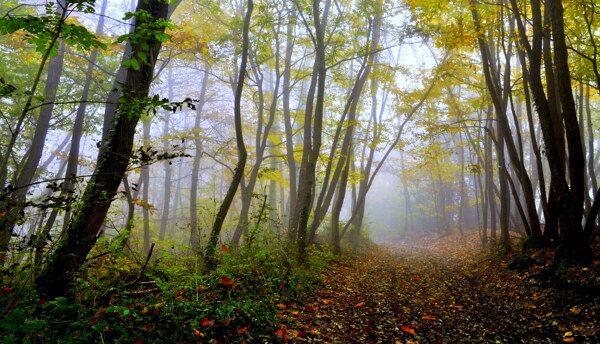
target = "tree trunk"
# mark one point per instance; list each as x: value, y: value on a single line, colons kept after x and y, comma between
x: 209, y: 253
x: 164, y: 220
x: 194, y: 227
x: 312, y: 146
x: 58, y: 275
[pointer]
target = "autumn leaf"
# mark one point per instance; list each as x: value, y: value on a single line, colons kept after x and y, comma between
x: 242, y: 330
x: 410, y: 329
x: 198, y: 333
x: 310, y: 309
x: 207, y: 322
x: 282, y: 333
x: 5, y: 290
x: 225, y: 322
x: 360, y: 304
x: 226, y: 281
x: 428, y: 317
x: 416, y: 279
x: 224, y: 248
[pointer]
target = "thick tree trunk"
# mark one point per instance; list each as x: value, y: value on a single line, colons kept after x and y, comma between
x: 574, y: 245
x: 58, y: 275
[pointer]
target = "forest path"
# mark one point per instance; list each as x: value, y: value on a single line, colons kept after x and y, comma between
x: 441, y: 292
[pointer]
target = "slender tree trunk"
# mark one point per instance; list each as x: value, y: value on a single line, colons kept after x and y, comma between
x: 194, y: 227
x: 287, y: 116
x: 312, y: 146
x: 14, y: 203
x: 336, y: 210
x: 209, y: 255
x: 145, y: 181
x: 168, y: 183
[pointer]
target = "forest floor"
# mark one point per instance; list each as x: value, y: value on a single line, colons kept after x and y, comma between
x: 447, y: 291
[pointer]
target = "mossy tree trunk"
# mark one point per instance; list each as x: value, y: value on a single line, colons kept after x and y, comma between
x: 58, y: 275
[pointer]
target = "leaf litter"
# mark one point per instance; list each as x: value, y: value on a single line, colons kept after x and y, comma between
x: 444, y: 291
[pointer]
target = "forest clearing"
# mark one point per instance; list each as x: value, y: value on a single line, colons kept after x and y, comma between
x: 278, y: 171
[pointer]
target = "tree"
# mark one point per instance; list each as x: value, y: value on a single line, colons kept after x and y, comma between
x: 209, y: 251
x: 48, y: 33
x: 58, y: 275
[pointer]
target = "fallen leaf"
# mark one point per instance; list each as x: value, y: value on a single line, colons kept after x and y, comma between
x: 207, y: 322
x: 569, y: 339
x: 226, y: 281
x: 242, y: 330
x: 410, y: 329
x: 5, y: 290
x: 360, y: 304
x: 198, y: 333
x: 283, y: 334
x: 224, y: 248
x: 428, y: 317
x: 416, y: 279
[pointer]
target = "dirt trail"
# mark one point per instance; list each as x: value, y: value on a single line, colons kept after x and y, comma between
x: 442, y: 294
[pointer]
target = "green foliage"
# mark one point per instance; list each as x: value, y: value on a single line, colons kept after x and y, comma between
x: 241, y: 301
x: 148, y: 30
x: 42, y: 31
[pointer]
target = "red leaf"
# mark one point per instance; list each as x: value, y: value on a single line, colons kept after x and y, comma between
x: 138, y: 341
x: 206, y: 322
x: 416, y: 279
x: 410, y: 329
x: 428, y: 317
x: 226, y: 281
x: 242, y: 330
x: 5, y: 290
x: 360, y: 304
x: 310, y: 309
x: 283, y: 334
x: 224, y: 248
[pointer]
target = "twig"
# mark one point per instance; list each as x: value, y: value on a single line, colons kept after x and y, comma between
x: 145, y: 263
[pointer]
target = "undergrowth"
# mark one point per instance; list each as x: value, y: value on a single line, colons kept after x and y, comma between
x: 242, y: 301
